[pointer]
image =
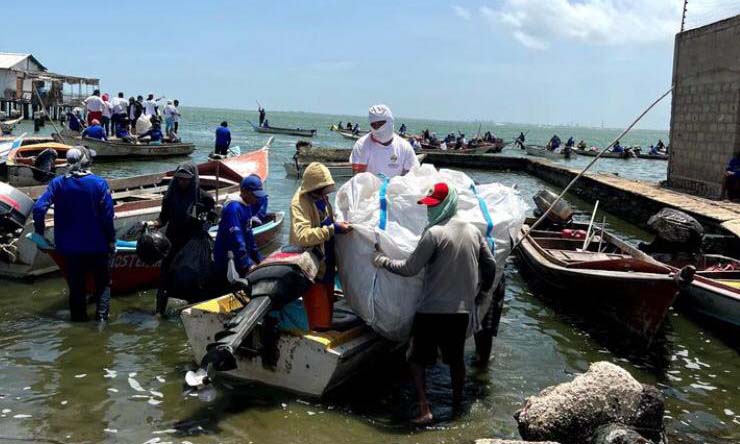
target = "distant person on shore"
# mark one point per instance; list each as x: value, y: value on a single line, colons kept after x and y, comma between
x: 381, y: 151
x: 731, y: 186
x: 402, y: 130
x: 94, y: 131
x: 94, y: 106
x: 119, y: 110
x: 262, y: 115
x: 520, y: 140
x: 83, y: 231
x: 150, y: 106
x: 458, y: 265
x: 107, y: 114
x: 223, y: 139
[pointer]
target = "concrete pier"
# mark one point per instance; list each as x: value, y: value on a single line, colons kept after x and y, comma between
x: 632, y: 200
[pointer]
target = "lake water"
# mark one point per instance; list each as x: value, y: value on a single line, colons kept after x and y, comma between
x: 69, y: 383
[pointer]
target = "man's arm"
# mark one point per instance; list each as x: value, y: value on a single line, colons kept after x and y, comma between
x: 411, y: 266
x: 41, y: 207
x: 358, y: 159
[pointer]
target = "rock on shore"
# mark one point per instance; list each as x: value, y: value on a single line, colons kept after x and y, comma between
x: 571, y: 413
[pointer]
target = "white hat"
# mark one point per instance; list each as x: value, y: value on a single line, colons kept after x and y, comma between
x: 379, y: 113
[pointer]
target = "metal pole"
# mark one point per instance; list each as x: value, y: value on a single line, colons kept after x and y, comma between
x: 683, y: 16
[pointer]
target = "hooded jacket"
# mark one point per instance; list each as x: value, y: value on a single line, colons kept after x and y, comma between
x: 306, y: 229
x: 235, y: 234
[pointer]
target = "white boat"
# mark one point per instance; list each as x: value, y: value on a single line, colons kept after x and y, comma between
x: 337, y: 169
x: 541, y: 151
x: 311, y: 363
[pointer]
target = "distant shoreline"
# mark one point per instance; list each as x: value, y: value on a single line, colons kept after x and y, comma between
x: 398, y: 119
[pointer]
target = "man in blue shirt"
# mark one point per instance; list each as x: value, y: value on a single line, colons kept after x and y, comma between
x: 235, y: 230
x: 259, y: 208
x: 75, y: 122
x: 617, y: 148
x: 95, y: 131
x: 83, y: 231
x: 223, y: 138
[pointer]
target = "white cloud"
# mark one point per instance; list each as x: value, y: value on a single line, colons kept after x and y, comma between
x: 461, y: 12
x: 536, y: 23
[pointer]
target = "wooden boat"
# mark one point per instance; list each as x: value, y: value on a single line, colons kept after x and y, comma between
x: 7, y: 126
x: 129, y: 273
x: 627, y: 154
x: 348, y: 134
x: 21, y: 168
x: 309, y: 363
x: 652, y: 156
x: 541, y: 151
x: 138, y: 199
x: 428, y: 148
x: 337, y: 169
x: 114, y: 149
x: 611, y: 277
x: 284, y: 131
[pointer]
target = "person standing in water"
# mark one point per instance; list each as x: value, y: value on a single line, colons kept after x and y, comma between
x: 83, y: 231
x: 458, y: 266
x: 182, y: 207
x: 223, y: 139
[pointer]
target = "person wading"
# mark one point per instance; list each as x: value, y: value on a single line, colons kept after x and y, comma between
x: 458, y: 267
x: 83, y: 231
x: 223, y: 139
x: 184, y: 203
x: 312, y: 226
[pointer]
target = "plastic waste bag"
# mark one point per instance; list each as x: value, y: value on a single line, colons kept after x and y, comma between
x: 386, y: 212
x: 152, y: 246
x: 190, y: 272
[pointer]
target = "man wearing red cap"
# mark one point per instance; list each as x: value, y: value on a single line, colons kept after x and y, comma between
x: 459, y: 265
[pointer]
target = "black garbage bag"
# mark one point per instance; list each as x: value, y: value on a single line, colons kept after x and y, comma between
x: 189, y: 276
x: 152, y: 246
x: 44, y: 165
x: 676, y: 226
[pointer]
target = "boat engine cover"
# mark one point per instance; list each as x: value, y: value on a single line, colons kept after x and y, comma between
x: 15, y: 207
x: 282, y: 283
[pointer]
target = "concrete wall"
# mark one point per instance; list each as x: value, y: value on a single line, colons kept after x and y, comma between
x: 705, y: 119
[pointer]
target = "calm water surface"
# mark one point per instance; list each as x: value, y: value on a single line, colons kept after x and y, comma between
x: 74, y: 383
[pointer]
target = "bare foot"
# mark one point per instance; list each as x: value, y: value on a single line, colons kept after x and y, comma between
x: 423, y: 419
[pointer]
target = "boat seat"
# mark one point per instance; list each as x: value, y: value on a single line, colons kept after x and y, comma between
x: 584, y: 256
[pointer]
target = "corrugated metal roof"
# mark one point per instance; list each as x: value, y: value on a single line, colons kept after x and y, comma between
x: 10, y: 59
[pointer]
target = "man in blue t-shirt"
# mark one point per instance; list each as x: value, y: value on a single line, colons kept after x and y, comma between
x: 95, y: 131
x: 223, y: 138
x: 83, y: 231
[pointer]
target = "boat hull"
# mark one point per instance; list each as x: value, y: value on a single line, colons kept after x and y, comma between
x: 311, y: 364
x: 713, y: 300
x: 635, y: 301
x: 121, y: 150
x: 284, y: 131
x: 336, y: 169
x: 603, y: 156
x: 543, y: 152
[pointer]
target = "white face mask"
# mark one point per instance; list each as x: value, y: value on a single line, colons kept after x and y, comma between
x: 384, y: 133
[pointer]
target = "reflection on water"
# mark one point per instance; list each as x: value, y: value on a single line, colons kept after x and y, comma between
x: 124, y: 382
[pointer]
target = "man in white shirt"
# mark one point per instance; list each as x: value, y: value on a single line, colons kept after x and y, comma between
x: 171, y: 117
x: 119, y: 108
x: 94, y: 106
x: 382, y: 152
x: 150, y: 106
x: 107, y: 114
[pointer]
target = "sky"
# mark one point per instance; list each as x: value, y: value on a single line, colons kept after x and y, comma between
x: 585, y: 62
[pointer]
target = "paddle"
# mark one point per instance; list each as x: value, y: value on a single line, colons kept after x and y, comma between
x: 587, y: 240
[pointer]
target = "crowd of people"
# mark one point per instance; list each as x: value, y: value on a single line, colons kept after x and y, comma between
x: 555, y: 143
x: 133, y: 120
x: 457, y: 259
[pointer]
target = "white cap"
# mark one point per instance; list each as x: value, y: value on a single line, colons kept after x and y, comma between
x: 379, y: 113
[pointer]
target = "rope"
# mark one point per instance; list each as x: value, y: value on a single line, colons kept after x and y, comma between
x: 598, y: 156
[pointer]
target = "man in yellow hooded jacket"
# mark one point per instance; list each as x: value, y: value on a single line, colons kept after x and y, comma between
x: 312, y: 226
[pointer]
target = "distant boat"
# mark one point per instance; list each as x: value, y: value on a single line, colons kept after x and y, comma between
x: 114, y: 148
x: 541, y: 151
x: 284, y: 131
x: 626, y: 154
x: 347, y: 134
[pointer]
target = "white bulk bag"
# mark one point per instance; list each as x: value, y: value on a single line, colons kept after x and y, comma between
x: 388, y: 302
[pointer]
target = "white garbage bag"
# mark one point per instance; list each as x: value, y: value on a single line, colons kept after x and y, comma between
x: 388, y: 302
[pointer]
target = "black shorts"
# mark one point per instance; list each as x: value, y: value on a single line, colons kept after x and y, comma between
x: 433, y: 332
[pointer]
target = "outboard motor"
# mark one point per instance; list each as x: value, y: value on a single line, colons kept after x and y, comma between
x: 44, y: 165
x: 15, y: 207
x: 561, y: 214
x: 280, y: 279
